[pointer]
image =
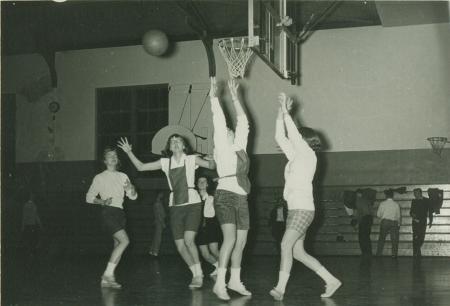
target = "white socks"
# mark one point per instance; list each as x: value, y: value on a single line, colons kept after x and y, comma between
x: 326, y: 276
x: 110, y: 269
x: 283, y: 278
x: 192, y: 268
x: 235, y: 277
x: 221, y: 273
x: 196, y: 270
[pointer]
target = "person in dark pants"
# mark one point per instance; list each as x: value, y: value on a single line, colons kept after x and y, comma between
x: 363, y: 214
x: 277, y: 222
x: 420, y: 210
x: 391, y: 218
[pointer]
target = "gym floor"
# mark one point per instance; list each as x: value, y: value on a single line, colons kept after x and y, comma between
x: 164, y: 281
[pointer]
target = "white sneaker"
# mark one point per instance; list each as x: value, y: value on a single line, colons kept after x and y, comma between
x: 277, y: 294
x: 221, y: 292
x: 197, y: 282
x: 330, y: 289
x: 239, y: 288
x: 109, y: 282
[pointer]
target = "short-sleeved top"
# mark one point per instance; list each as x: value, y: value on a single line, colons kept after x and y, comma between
x: 189, y: 162
x: 109, y: 184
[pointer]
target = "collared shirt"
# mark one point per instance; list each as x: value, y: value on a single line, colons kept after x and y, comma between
x: 300, y: 169
x: 189, y: 162
x: 109, y: 184
x: 389, y: 210
x: 208, y: 209
x: 224, y: 153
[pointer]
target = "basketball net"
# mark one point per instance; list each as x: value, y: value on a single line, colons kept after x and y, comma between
x: 437, y: 144
x: 236, y: 53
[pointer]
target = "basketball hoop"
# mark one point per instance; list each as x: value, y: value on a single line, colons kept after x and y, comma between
x: 236, y: 52
x: 437, y: 144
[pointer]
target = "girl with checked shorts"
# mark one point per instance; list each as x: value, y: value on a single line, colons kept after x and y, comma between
x: 299, y: 146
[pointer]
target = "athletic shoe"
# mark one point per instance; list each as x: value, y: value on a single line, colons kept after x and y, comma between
x: 330, y: 289
x: 239, y: 288
x: 277, y: 294
x: 109, y: 282
x: 197, y: 282
x: 221, y: 292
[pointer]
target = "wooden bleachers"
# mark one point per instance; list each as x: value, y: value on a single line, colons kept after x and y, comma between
x: 332, y: 221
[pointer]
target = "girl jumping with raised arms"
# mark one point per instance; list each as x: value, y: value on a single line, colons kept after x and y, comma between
x: 230, y: 200
x: 185, y: 203
x: 299, y: 146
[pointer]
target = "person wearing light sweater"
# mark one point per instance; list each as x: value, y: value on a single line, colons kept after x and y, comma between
x: 108, y: 189
x: 391, y: 219
x: 299, y: 146
x: 230, y: 200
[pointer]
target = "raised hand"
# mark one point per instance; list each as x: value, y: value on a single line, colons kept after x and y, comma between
x: 233, y: 86
x: 127, y: 185
x: 124, y: 145
x: 213, y: 90
x: 285, y: 102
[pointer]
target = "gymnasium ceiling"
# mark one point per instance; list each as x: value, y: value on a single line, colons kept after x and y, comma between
x: 29, y: 26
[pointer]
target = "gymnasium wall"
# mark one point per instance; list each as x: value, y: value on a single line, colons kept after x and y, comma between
x: 375, y: 94
x: 365, y: 89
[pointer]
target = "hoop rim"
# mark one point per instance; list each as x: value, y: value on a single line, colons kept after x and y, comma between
x: 227, y: 41
x: 438, y: 139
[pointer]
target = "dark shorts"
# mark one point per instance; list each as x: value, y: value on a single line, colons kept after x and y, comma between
x: 299, y: 220
x: 185, y: 218
x: 232, y: 208
x: 209, y: 232
x: 113, y: 219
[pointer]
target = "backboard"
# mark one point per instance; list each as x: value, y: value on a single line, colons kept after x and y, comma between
x: 271, y: 39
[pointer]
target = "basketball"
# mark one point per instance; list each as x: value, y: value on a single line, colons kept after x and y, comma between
x: 155, y: 42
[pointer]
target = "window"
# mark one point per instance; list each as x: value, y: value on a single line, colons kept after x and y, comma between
x: 137, y: 112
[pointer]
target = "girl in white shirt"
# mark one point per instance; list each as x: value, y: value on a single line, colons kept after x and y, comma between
x: 230, y: 199
x: 299, y: 146
x: 111, y: 185
x: 184, y: 202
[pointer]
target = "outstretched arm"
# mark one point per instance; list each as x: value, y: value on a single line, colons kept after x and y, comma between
x: 206, y: 162
x: 140, y: 166
x: 219, y: 121
x: 281, y: 139
x: 242, y: 126
x: 293, y: 134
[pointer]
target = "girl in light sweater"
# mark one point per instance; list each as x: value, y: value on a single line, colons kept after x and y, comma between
x: 108, y: 189
x: 299, y: 146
